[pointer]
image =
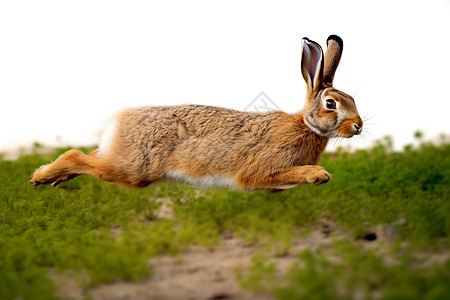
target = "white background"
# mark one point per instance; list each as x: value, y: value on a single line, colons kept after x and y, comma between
x: 67, y: 66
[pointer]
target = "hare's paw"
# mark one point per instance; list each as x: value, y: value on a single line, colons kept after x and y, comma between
x: 38, y: 176
x: 317, y: 175
x: 44, y: 175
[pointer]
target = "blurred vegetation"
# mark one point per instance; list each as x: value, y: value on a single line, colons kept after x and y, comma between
x: 104, y: 233
x: 352, y: 273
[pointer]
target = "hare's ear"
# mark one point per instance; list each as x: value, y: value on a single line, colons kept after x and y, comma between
x: 312, y: 64
x: 332, y: 58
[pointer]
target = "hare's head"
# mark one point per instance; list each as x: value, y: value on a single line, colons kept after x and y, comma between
x: 328, y: 111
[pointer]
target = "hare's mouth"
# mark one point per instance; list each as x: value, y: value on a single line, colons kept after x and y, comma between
x: 349, y: 129
x: 347, y: 136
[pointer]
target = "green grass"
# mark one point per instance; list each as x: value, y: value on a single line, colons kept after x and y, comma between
x: 359, y: 273
x: 70, y: 228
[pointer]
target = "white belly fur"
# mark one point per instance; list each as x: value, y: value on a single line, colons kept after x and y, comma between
x: 214, y: 181
x: 284, y: 187
x: 208, y: 181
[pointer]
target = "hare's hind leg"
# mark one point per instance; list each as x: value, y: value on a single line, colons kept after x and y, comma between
x: 69, y: 165
x: 285, y: 179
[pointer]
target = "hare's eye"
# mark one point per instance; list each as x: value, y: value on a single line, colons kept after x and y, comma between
x: 330, y: 104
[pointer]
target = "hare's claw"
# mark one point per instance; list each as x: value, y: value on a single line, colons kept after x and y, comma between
x: 318, y: 176
x: 42, y: 176
x: 324, y: 179
x: 33, y: 182
x: 55, y: 183
x: 33, y: 179
x: 321, y: 181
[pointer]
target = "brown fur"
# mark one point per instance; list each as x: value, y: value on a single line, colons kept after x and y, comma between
x: 268, y: 151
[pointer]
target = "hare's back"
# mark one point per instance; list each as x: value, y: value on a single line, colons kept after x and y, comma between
x: 193, y: 120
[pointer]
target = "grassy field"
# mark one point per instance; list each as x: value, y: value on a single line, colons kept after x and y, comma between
x: 392, y: 208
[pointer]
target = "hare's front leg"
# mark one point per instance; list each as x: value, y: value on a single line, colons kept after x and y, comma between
x: 284, y: 179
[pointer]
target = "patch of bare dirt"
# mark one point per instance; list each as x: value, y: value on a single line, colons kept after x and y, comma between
x: 201, y: 274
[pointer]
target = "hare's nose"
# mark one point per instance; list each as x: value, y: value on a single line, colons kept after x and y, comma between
x: 357, y: 128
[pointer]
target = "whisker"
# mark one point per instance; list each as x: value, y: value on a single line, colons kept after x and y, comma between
x: 363, y: 138
x: 367, y: 131
x: 335, y: 141
x: 340, y: 141
x: 367, y: 118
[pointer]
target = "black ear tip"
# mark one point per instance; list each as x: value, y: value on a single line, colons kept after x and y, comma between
x: 337, y: 39
x: 311, y: 42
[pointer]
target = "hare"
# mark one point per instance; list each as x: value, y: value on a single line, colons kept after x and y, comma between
x: 210, y: 147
